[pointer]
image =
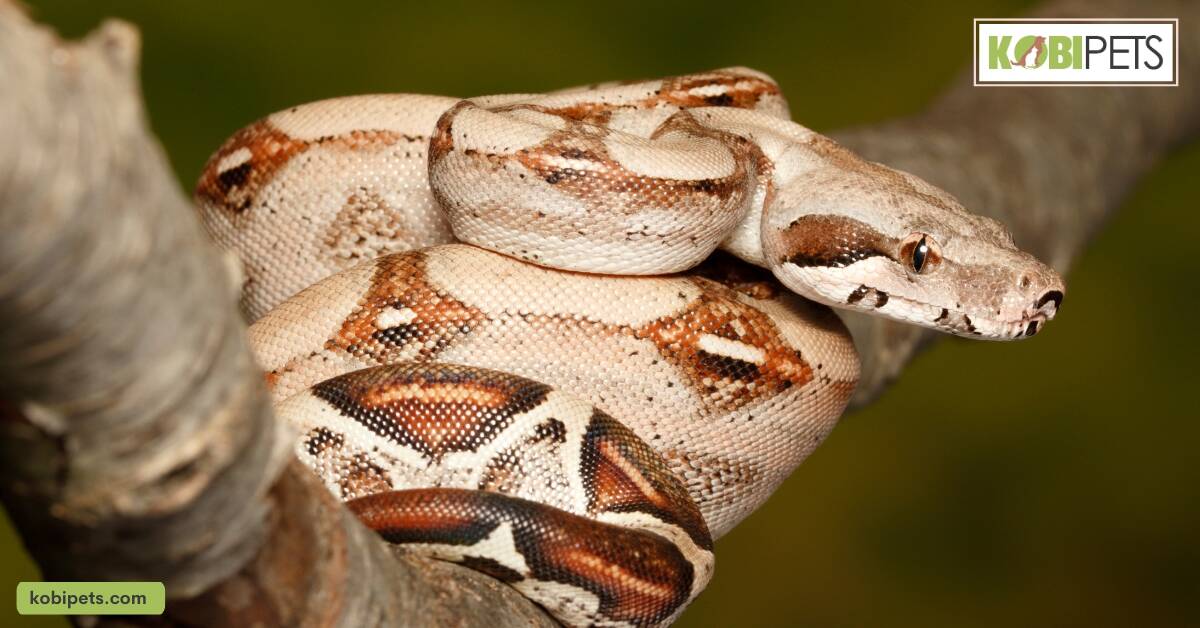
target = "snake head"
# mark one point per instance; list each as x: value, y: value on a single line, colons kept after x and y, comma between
x: 866, y: 237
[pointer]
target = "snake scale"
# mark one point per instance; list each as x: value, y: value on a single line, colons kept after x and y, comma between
x: 569, y: 339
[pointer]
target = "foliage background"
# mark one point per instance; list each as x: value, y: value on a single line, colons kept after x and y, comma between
x: 1050, y: 482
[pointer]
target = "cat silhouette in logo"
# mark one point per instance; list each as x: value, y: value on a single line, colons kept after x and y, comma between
x: 1039, y: 44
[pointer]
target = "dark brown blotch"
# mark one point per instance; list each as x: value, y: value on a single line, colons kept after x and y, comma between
x: 442, y: 140
x: 824, y: 240
x: 748, y: 279
x: 639, y: 577
x: 234, y: 177
x: 858, y: 294
x: 492, y: 568
x: 399, y: 282
x: 602, y: 175
x: 621, y: 473
x: 321, y: 438
x: 727, y: 383
x: 234, y: 188
x: 434, y: 409
x: 741, y: 91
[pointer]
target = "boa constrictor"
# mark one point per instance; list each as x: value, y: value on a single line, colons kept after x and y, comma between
x: 530, y: 403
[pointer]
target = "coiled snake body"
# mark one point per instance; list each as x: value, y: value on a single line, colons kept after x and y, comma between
x: 566, y: 400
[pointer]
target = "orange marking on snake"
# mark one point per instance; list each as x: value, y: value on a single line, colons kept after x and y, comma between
x: 725, y: 381
x: 400, y: 282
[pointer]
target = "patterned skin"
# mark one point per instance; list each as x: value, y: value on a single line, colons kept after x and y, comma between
x: 534, y: 486
x: 733, y: 390
x: 659, y: 410
x: 721, y: 391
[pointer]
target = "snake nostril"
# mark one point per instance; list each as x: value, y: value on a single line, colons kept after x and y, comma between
x: 1053, y: 295
x: 1024, y: 282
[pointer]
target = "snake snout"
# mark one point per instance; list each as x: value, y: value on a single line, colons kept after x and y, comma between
x: 1038, y: 291
x: 1044, y: 309
x: 1034, y: 301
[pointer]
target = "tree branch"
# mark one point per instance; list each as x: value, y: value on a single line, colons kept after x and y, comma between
x: 138, y: 438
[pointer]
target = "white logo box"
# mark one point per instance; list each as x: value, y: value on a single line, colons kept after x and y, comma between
x: 1093, y: 51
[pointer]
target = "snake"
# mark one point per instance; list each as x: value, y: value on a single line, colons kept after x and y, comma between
x: 570, y: 339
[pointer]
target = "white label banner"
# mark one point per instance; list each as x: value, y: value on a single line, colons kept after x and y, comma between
x: 1076, y: 52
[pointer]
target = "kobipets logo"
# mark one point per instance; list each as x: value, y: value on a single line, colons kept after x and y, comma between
x: 1076, y: 52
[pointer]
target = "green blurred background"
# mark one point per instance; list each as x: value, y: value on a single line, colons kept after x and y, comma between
x: 1051, y: 482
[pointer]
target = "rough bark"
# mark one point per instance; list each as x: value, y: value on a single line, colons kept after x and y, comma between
x: 138, y: 440
x: 1050, y: 162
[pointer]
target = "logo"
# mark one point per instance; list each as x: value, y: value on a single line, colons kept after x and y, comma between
x: 1076, y: 52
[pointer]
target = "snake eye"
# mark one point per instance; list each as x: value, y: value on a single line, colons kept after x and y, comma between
x: 920, y: 253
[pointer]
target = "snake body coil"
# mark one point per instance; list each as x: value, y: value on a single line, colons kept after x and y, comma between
x: 568, y: 402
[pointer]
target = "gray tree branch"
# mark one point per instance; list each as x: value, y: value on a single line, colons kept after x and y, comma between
x: 138, y: 440
x: 138, y: 437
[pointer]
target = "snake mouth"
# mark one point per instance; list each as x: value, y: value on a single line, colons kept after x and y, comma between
x: 962, y: 323
x: 1044, y: 310
x: 1029, y: 326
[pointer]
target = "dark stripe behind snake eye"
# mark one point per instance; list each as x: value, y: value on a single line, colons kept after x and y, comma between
x: 834, y: 241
